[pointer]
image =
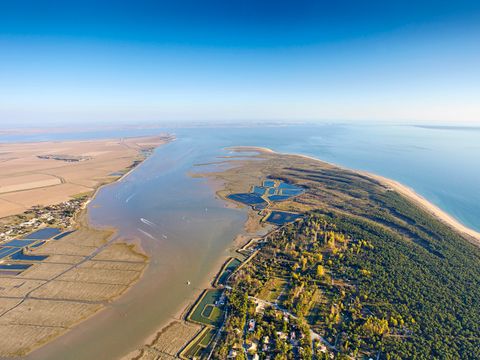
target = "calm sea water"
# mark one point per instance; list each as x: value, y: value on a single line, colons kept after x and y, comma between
x: 186, y: 230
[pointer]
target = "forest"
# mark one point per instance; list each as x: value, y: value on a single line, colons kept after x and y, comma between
x: 362, y: 288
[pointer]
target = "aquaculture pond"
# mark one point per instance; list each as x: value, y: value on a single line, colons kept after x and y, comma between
x: 247, y: 198
x: 62, y: 235
x: 43, y: 234
x: 259, y: 190
x: 269, y: 183
x: 19, y: 243
x: 14, y: 250
x: 14, y: 266
x: 272, y: 190
x: 21, y: 256
x: 228, y: 270
x: 281, y: 217
x: 7, y: 251
x: 208, y: 311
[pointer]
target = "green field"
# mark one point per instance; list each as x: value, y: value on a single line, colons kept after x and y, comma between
x: 206, y: 312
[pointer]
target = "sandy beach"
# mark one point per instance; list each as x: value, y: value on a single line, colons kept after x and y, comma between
x: 427, y: 206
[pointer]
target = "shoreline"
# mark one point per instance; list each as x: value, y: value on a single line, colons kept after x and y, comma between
x: 81, y: 220
x: 51, y: 172
x: 392, y: 185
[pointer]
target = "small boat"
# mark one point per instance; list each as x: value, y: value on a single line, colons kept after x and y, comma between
x: 188, y: 282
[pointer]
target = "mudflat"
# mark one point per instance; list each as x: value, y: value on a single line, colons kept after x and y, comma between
x: 47, y: 173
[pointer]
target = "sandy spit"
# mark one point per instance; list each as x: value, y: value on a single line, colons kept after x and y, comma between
x: 398, y: 187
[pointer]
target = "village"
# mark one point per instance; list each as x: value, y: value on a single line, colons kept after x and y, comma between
x: 59, y: 215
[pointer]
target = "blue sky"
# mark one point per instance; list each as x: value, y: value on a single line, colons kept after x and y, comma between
x: 128, y: 61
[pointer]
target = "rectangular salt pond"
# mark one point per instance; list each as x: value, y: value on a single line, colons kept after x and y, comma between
x: 7, y: 251
x: 247, y: 198
x: 14, y: 266
x: 259, y: 190
x: 291, y: 192
x: 58, y: 237
x: 289, y: 189
x: 43, y: 234
x: 279, y: 197
x: 269, y: 183
x: 21, y: 256
x: 19, y: 243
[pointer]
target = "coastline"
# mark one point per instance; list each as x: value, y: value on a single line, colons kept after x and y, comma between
x: 106, y: 237
x: 394, y: 185
x: 51, y: 172
x: 219, y: 187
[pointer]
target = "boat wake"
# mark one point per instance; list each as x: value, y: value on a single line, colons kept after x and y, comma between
x: 147, y: 234
x: 148, y: 222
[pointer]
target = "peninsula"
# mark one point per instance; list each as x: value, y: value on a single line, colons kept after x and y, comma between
x: 354, y: 267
